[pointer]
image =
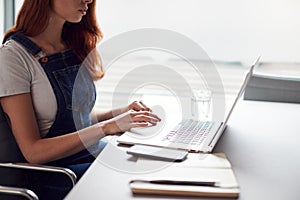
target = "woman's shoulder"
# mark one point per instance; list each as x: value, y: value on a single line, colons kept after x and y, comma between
x: 11, y: 46
x: 14, y: 56
x: 13, y: 52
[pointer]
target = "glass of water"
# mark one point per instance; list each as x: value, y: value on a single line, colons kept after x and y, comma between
x: 201, y: 104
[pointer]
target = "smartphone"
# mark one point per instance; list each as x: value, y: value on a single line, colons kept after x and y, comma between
x: 159, y: 153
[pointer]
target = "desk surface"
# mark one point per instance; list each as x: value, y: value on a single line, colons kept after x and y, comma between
x: 261, y: 141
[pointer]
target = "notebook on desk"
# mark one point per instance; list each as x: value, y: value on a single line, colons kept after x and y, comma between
x: 189, y: 134
x: 202, y: 175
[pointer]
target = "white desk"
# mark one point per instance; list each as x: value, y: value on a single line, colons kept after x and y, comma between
x: 261, y: 141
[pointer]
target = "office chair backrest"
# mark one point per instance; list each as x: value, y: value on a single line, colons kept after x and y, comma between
x: 17, y: 177
x: 9, y: 150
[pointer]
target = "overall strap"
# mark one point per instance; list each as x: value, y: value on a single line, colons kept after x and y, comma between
x: 30, y: 46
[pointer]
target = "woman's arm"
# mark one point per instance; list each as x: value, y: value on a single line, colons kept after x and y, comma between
x: 37, y: 150
x: 25, y: 129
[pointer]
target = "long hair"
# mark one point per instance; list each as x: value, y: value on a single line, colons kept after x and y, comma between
x: 82, y: 37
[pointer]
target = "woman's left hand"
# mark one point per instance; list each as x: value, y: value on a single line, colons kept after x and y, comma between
x: 138, y: 106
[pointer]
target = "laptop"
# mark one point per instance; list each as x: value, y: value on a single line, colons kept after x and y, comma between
x: 189, y: 134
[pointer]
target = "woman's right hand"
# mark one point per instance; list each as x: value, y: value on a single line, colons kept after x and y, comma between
x: 128, y: 120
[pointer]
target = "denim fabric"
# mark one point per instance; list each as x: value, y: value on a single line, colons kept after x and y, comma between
x: 75, y: 94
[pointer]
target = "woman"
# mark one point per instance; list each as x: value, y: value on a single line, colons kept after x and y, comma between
x: 40, y: 59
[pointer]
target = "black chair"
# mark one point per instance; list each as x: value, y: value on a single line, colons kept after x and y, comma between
x: 16, y: 174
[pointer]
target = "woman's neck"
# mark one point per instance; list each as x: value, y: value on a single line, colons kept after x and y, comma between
x: 50, y: 39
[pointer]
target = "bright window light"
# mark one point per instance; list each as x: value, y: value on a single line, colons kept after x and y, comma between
x: 1, y: 18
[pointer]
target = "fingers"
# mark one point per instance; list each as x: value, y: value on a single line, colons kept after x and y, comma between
x: 142, y: 119
x: 144, y: 116
x: 138, y: 106
x: 144, y: 106
x: 131, y: 119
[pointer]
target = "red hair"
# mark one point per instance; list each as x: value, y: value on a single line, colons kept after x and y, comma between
x: 82, y: 37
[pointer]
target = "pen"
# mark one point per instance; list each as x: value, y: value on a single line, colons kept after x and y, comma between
x: 179, y: 182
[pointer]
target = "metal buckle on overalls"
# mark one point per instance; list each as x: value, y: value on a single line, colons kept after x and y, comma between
x: 41, y: 56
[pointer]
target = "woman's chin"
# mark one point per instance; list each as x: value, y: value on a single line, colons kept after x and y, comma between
x: 75, y: 19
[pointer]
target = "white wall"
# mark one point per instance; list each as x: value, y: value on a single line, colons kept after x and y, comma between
x: 234, y: 30
x: 18, y: 4
x: 1, y: 19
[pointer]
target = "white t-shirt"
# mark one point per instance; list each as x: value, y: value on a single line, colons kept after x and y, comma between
x: 20, y: 72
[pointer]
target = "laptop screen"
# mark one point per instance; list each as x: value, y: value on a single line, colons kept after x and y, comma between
x: 247, y: 78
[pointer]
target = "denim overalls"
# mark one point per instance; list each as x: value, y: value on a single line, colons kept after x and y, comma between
x: 75, y: 99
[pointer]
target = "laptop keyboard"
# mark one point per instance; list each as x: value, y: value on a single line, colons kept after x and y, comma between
x: 189, y: 132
